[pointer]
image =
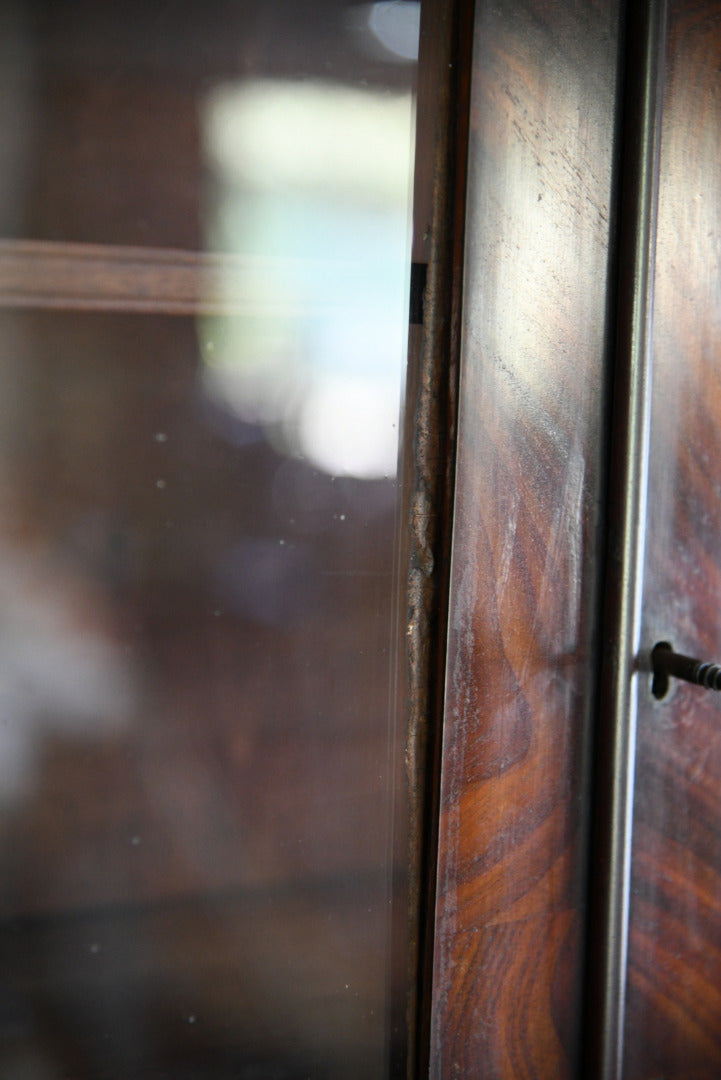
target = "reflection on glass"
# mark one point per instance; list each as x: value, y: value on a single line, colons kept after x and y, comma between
x: 203, y: 278
x: 312, y: 180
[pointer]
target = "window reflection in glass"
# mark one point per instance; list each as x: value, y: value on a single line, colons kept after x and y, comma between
x: 310, y: 180
x: 203, y: 309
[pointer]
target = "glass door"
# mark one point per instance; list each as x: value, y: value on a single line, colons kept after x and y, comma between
x: 204, y: 269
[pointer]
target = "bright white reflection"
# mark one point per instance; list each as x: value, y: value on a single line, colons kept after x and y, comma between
x: 60, y: 670
x: 335, y: 421
x: 311, y: 186
x: 329, y: 139
x: 396, y: 24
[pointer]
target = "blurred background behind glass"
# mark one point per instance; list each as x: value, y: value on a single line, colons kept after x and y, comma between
x: 204, y: 265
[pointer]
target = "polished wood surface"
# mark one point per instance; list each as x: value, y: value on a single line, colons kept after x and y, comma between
x: 673, y: 1024
x: 520, y: 686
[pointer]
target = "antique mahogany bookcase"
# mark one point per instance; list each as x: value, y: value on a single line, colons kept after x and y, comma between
x: 330, y: 740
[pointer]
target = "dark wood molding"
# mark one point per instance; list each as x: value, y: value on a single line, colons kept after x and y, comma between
x: 430, y: 433
x: 630, y: 362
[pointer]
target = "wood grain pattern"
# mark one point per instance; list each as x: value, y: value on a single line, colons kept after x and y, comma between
x: 519, y: 688
x: 673, y: 1026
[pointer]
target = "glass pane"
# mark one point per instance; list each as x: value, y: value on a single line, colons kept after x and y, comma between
x: 204, y: 258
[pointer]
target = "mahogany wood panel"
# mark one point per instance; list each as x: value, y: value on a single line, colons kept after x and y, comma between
x: 673, y: 1022
x: 520, y: 687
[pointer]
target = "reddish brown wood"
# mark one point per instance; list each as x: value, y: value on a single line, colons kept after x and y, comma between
x: 510, y: 906
x: 673, y: 1025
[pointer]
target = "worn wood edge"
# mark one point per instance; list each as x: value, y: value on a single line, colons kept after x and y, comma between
x: 431, y: 413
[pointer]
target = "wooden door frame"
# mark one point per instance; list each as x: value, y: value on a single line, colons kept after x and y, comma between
x: 429, y: 440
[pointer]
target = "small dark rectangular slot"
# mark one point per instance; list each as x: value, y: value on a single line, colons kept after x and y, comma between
x: 419, y: 274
